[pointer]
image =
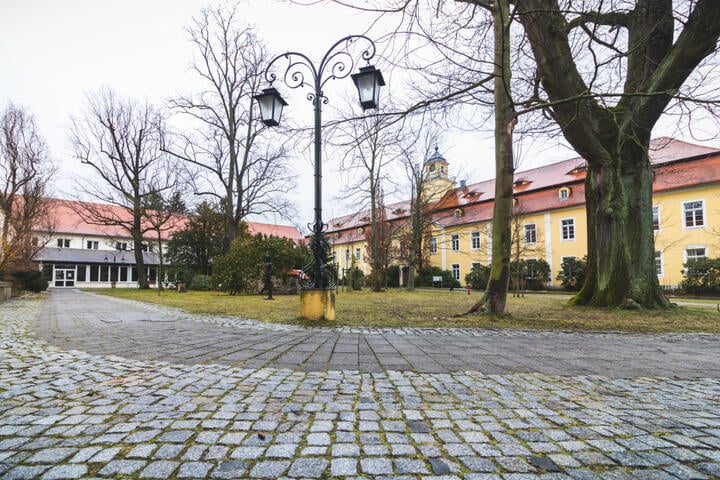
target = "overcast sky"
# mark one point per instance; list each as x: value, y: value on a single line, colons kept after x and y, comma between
x: 52, y: 52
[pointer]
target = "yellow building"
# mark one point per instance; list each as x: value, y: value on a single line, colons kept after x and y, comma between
x: 550, y: 221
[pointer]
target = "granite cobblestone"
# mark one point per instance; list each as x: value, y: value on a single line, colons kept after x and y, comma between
x: 70, y: 414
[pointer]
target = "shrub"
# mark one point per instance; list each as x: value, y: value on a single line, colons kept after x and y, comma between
x: 393, y: 276
x: 478, y: 276
x: 425, y: 277
x: 357, y: 279
x: 199, y: 282
x: 243, y: 266
x: 572, y: 273
x: 534, y: 274
x: 702, y: 276
x: 30, y: 280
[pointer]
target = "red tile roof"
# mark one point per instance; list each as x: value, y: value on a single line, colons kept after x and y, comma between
x: 67, y: 220
x: 271, y: 229
x: 672, y: 159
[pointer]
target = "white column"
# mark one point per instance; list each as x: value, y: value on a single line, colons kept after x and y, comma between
x: 548, y: 245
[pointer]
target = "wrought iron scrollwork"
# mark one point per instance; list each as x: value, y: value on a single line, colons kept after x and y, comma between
x: 300, y: 71
x: 337, y: 63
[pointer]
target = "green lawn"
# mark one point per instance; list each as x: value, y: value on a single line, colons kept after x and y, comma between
x: 435, y: 308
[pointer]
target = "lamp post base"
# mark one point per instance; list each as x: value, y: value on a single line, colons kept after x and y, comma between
x: 317, y: 304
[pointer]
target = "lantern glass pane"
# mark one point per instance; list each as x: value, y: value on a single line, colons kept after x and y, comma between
x: 266, y: 106
x: 366, y: 87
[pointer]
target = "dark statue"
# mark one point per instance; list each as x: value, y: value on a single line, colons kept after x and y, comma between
x: 267, y: 279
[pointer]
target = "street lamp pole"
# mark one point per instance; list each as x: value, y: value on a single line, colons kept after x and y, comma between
x: 300, y: 71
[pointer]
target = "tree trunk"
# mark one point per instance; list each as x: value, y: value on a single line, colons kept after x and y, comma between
x: 621, y: 251
x: 161, y: 267
x: 137, y: 246
x: 495, y: 296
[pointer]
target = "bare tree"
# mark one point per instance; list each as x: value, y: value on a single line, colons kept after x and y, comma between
x: 526, y: 242
x: 605, y: 71
x: 120, y: 141
x: 226, y: 155
x: 371, y: 148
x: 642, y: 54
x: 25, y: 171
x: 450, y: 51
x: 161, y: 212
x: 413, y: 236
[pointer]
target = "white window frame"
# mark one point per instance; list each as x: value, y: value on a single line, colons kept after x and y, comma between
x: 562, y: 230
x: 455, y: 242
x: 526, y: 230
x: 659, y: 263
x: 455, y: 269
x: 358, y: 254
x: 475, y: 242
x: 656, y: 214
x: 121, y: 246
x: 347, y: 256
x: 92, y: 244
x: 527, y: 273
x: 695, y: 247
x: 684, y: 213
x: 63, y: 243
x: 433, y: 246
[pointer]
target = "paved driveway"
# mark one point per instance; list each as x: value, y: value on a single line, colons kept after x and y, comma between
x: 125, y: 390
x: 105, y: 326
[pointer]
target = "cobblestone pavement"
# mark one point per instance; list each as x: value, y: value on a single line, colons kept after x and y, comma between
x: 67, y: 414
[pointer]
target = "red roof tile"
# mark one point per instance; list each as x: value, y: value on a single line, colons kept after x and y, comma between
x: 67, y: 220
x: 270, y: 229
x: 672, y: 159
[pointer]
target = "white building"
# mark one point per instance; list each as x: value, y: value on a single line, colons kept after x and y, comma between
x: 85, y: 255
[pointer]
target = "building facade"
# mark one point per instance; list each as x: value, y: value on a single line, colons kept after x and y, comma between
x: 549, y: 215
x: 81, y: 254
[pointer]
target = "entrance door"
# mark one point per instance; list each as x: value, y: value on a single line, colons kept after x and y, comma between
x: 64, y: 277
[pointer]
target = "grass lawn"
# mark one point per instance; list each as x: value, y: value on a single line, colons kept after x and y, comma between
x: 435, y: 308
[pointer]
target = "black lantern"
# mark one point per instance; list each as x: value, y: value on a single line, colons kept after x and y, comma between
x: 368, y: 82
x: 271, y: 106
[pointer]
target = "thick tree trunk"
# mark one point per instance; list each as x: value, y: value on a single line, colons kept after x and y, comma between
x: 621, y: 250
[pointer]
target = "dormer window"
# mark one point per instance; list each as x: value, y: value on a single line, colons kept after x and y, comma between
x: 458, y: 213
x: 578, y: 169
x: 472, y: 194
x: 365, y: 219
x: 564, y: 193
x: 520, y: 183
x: 398, y: 211
x: 337, y: 235
x: 360, y: 231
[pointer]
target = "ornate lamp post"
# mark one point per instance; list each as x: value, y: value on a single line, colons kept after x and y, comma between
x: 300, y: 71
